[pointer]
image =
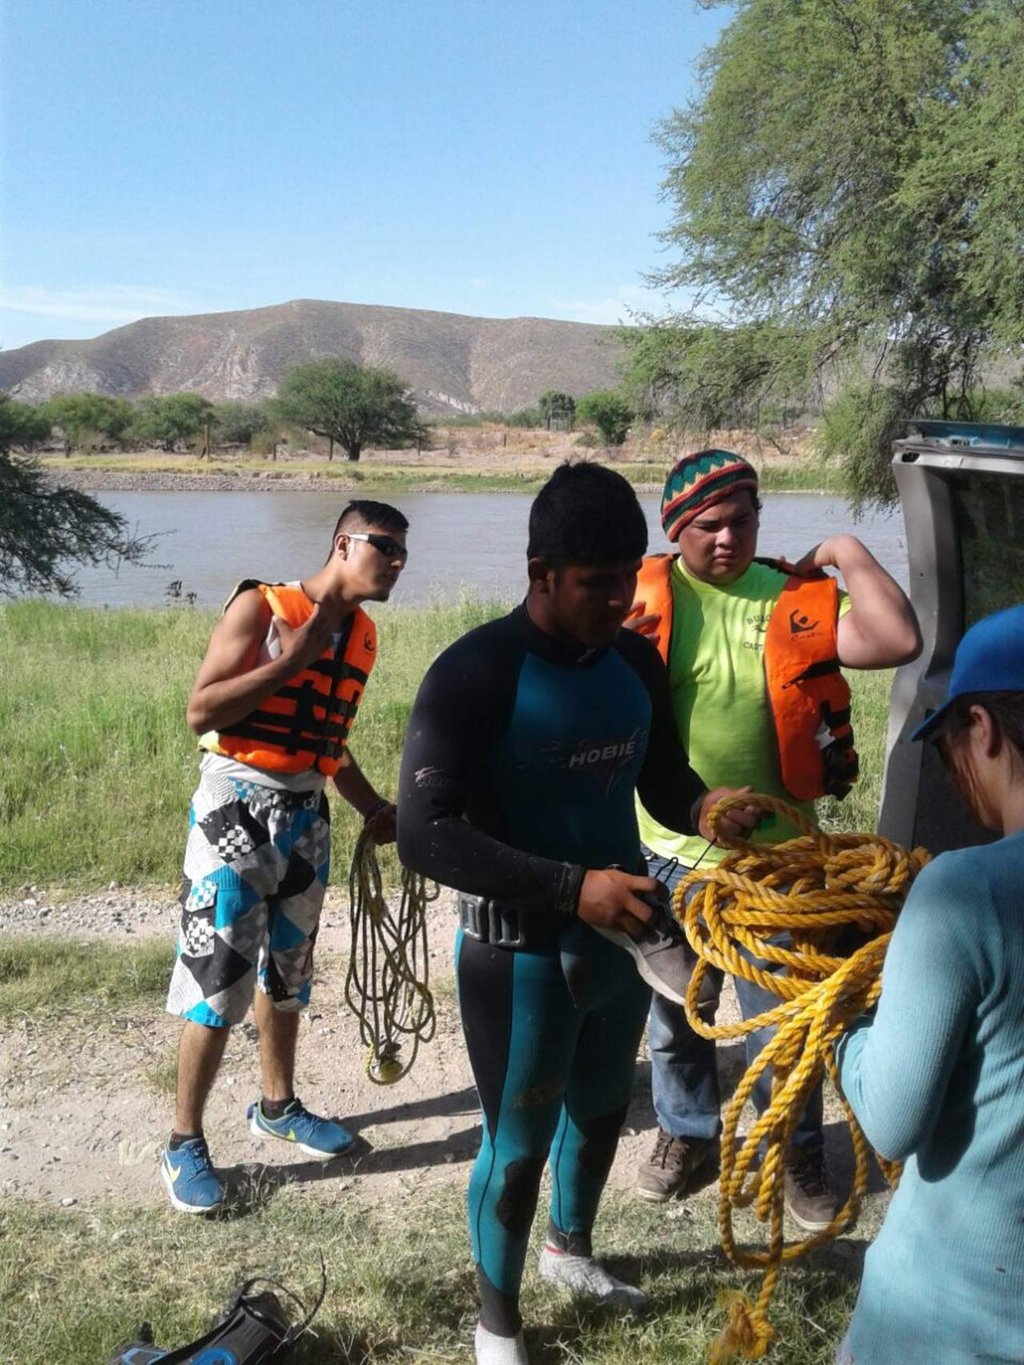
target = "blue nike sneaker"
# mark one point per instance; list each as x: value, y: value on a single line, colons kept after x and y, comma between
x: 315, y: 1135
x: 189, y: 1178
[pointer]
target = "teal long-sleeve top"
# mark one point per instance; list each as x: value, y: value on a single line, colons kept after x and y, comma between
x: 936, y: 1079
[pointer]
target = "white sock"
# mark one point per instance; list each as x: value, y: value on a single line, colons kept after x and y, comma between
x: 583, y: 1276
x: 492, y: 1350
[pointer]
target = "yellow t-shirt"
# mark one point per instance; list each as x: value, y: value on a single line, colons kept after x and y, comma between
x: 720, y: 700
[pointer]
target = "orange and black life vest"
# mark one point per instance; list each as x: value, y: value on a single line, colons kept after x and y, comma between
x: 807, y: 693
x: 305, y: 723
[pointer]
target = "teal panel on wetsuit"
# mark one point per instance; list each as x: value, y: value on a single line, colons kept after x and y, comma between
x: 567, y: 765
x: 566, y: 1076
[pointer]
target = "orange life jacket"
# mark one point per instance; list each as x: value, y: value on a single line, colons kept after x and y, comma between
x: 807, y: 693
x: 305, y: 723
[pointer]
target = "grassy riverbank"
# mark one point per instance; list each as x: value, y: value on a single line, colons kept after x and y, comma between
x: 520, y: 470
x: 100, y: 765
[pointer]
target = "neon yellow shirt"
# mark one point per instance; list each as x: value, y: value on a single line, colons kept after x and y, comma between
x: 716, y: 674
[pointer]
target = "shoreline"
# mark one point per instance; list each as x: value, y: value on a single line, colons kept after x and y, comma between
x: 164, y: 481
x: 305, y: 481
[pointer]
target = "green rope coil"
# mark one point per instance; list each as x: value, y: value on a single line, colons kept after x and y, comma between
x: 388, y: 972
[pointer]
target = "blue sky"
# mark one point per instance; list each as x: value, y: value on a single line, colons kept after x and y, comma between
x: 192, y: 156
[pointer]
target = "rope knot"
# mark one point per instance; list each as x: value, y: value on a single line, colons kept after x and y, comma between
x: 747, y: 1331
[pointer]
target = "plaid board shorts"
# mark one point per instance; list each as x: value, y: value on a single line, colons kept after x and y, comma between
x: 256, y: 866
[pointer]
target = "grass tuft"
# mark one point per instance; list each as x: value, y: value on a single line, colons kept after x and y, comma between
x: 57, y: 977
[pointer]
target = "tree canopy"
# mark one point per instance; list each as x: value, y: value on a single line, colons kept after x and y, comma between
x: 45, y: 529
x: 355, y: 405
x: 609, y: 412
x: 555, y: 406
x: 852, y: 175
x: 238, y: 423
x: 170, y: 419
x: 85, y: 417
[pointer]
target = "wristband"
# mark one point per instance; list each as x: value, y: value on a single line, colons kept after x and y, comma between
x: 376, y: 808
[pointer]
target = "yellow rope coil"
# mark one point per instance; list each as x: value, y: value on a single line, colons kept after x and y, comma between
x: 838, y: 897
x: 387, y: 985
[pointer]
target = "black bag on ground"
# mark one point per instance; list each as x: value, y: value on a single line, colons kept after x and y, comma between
x: 252, y: 1328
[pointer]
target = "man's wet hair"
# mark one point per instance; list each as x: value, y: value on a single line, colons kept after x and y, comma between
x: 586, y: 514
x: 380, y: 516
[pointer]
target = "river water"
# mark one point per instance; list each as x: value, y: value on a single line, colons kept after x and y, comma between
x: 459, y: 542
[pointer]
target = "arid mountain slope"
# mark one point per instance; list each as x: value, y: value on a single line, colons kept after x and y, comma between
x: 453, y: 363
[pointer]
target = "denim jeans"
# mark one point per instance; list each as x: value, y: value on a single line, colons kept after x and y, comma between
x: 684, y: 1069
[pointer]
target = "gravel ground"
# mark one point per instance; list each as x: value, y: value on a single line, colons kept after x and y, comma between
x: 99, y: 914
x: 254, y: 481
x: 84, y: 1117
x: 251, y: 481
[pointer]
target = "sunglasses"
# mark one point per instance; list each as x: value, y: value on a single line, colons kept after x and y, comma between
x: 387, y: 546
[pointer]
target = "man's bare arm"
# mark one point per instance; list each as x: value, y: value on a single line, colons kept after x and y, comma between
x: 880, y: 628
x: 230, y: 683
x: 357, y: 789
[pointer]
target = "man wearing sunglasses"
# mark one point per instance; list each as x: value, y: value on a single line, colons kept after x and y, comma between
x: 273, y: 704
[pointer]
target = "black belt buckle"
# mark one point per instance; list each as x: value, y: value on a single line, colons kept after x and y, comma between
x: 490, y: 921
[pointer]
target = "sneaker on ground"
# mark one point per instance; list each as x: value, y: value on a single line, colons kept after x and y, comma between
x: 189, y: 1178
x: 583, y: 1277
x: 660, y: 954
x: 672, y: 1163
x: 810, y: 1200
x: 315, y: 1135
x: 492, y: 1350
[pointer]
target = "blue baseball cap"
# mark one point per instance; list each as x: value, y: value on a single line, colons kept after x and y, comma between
x: 989, y: 658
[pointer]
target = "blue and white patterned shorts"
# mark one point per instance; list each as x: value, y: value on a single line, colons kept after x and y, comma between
x: 256, y: 866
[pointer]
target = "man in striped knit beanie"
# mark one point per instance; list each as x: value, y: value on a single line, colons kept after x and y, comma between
x: 698, y: 481
x: 735, y: 632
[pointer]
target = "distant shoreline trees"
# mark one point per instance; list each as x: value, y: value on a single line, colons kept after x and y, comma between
x: 353, y: 405
x: 609, y: 412
x: 335, y: 400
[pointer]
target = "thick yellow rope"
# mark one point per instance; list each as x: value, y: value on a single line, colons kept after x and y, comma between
x: 387, y: 986
x: 822, y: 889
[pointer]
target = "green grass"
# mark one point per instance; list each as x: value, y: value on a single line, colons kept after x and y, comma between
x: 73, y: 1285
x: 55, y: 977
x: 162, y: 1075
x: 859, y: 810
x: 99, y: 764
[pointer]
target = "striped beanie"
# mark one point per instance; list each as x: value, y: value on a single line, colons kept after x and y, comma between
x: 697, y: 481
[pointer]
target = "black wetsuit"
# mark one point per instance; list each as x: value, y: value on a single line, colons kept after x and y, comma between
x: 521, y: 760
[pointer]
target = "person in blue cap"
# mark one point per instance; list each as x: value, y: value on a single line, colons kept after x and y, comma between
x: 936, y: 1077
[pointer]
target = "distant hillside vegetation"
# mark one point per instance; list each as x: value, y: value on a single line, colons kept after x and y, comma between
x: 452, y: 363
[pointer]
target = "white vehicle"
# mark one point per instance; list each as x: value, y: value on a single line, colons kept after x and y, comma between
x: 962, y: 491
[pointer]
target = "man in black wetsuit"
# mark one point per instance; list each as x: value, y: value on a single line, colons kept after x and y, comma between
x: 527, y: 742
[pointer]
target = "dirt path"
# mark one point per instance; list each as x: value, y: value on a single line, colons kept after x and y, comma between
x: 83, y: 1118
x: 84, y: 1115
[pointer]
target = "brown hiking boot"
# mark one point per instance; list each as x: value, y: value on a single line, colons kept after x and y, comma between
x: 671, y: 1165
x: 810, y: 1201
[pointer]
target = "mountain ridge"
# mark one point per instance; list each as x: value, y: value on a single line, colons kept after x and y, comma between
x: 453, y: 362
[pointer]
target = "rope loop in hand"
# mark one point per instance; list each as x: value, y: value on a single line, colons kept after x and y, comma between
x: 809, y: 921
